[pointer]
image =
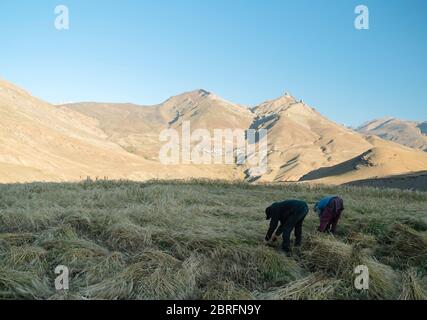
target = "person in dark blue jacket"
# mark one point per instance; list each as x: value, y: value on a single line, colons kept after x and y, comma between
x: 291, y: 215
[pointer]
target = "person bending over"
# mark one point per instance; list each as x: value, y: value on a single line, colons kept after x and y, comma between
x: 329, y: 210
x: 291, y: 215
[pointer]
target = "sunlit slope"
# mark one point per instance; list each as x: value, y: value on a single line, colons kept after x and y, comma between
x: 408, y: 133
x: 302, y: 140
x: 383, y: 160
x: 43, y: 142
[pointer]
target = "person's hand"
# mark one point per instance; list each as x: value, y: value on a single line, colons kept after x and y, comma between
x: 274, y: 239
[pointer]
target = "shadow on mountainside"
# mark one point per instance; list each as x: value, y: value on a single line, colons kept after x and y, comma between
x: 339, y: 169
x: 416, y: 181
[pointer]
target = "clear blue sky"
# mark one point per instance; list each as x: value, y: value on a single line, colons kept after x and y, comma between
x: 247, y: 51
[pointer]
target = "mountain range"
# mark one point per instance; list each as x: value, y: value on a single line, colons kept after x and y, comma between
x: 44, y: 142
x: 409, y: 133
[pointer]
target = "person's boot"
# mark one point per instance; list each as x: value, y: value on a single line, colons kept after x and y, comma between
x: 297, y: 249
x: 287, y: 251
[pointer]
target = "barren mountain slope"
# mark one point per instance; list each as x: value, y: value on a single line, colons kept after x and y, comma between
x: 408, y: 133
x: 383, y: 160
x: 301, y: 140
x: 137, y: 128
x: 41, y: 142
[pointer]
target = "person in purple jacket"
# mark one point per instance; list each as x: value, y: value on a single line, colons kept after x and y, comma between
x: 329, y: 210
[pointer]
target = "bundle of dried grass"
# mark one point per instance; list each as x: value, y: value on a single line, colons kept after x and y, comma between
x: 316, y: 286
x: 25, y: 258
x: 412, y: 288
x: 129, y: 236
x: 157, y: 275
x: 383, y: 280
x: 78, y: 220
x: 407, y: 243
x: 110, y: 265
x: 22, y: 285
x: 362, y: 240
x: 63, y: 232
x: 340, y: 260
x: 253, y: 267
x: 77, y: 254
x: 330, y: 255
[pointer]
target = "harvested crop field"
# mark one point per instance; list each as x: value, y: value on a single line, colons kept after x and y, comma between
x: 203, y: 240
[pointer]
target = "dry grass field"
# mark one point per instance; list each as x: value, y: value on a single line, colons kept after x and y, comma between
x: 203, y: 240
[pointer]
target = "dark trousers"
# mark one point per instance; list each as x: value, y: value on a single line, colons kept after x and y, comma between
x: 295, y: 221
